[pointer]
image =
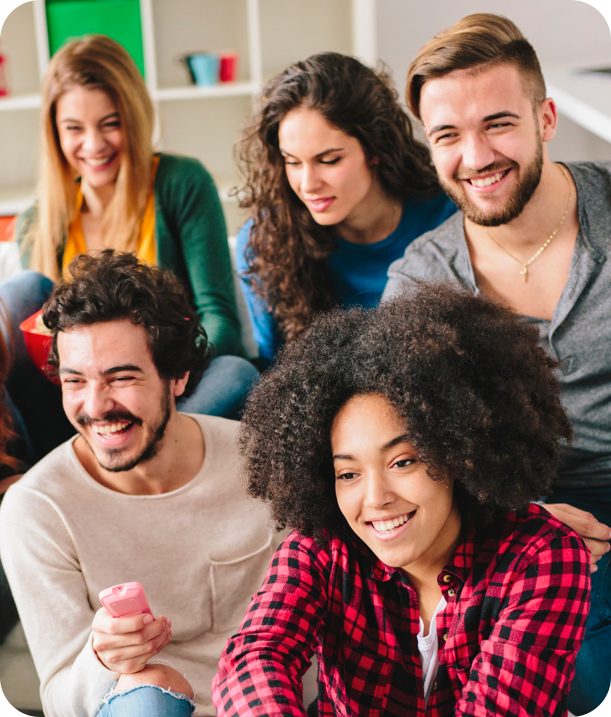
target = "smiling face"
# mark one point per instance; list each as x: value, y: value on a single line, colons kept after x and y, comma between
x: 326, y: 168
x: 113, y: 394
x: 409, y: 520
x: 90, y: 135
x: 486, y: 140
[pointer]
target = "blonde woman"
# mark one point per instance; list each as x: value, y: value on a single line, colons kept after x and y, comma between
x: 102, y: 186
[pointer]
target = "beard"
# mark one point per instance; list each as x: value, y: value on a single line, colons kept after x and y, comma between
x: 111, y: 460
x: 513, y: 206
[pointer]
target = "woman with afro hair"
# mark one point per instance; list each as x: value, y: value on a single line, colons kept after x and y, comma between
x: 404, y: 446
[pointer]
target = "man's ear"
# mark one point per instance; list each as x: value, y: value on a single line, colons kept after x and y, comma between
x: 180, y: 384
x: 547, y: 116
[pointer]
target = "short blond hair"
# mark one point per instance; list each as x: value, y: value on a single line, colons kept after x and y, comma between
x: 93, y: 62
x: 475, y: 41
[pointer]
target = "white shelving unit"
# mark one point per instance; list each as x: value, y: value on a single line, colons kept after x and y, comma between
x: 21, y: 102
x: 204, y: 122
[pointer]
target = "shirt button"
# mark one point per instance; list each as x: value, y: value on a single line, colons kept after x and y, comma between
x: 451, y: 592
x: 435, y: 686
x: 445, y: 636
x: 447, y: 578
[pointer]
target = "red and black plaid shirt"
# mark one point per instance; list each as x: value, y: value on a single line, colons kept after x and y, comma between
x: 517, y: 594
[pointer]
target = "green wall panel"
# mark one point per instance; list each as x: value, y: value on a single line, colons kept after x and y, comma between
x: 119, y: 19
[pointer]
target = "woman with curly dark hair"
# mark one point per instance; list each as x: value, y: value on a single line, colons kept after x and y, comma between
x: 404, y: 447
x: 337, y: 187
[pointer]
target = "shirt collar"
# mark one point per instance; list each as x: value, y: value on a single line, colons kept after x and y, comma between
x: 459, y: 565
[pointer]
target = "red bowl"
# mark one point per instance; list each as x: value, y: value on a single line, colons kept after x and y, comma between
x: 37, y: 344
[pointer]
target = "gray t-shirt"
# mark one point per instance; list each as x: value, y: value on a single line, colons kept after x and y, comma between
x: 579, y: 334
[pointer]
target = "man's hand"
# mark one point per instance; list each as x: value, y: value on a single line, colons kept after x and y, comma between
x: 125, y: 644
x: 594, y: 534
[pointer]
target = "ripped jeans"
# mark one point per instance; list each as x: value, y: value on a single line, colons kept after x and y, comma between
x: 147, y: 701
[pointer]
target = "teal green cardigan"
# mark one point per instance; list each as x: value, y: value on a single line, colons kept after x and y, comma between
x: 191, y: 240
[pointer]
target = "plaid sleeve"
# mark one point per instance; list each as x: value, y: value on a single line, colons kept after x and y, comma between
x: 526, y: 664
x: 262, y: 665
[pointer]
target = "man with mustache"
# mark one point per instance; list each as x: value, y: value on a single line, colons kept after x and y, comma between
x: 143, y: 493
x: 533, y: 235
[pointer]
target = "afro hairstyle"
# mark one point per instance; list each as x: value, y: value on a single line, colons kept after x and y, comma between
x: 477, y: 393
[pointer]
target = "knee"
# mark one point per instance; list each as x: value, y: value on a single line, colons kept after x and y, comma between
x: 236, y: 376
x: 25, y: 292
x: 28, y: 283
x: 238, y: 369
x: 158, y: 675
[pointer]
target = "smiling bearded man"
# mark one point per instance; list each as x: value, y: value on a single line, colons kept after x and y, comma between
x: 533, y: 235
x: 142, y: 494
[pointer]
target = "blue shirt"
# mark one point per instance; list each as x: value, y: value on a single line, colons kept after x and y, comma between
x: 357, y: 271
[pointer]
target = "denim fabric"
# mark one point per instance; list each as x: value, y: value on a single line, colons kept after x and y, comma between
x: 593, y: 666
x: 147, y: 701
x: 223, y: 388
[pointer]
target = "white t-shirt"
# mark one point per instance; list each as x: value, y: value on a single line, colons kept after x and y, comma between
x: 428, y: 647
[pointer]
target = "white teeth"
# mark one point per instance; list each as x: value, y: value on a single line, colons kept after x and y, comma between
x: 487, y: 181
x: 384, y: 526
x: 111, y: 428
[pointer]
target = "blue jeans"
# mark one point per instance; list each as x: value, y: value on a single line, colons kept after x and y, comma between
x: 223, y: 388
x: 147, y: 701
x: 593, y: 665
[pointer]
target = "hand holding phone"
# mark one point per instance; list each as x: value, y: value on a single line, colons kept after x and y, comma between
x: 125, y: 633
x: 125, y: 600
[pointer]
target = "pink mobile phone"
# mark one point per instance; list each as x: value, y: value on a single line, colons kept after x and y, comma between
x: 125, y: 600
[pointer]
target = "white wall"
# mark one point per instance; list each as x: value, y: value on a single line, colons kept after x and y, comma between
x: 563, y: 32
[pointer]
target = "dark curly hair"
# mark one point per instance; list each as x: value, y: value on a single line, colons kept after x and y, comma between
x: 477, y: 393
x: 111, y: 286
x: 287, y: 249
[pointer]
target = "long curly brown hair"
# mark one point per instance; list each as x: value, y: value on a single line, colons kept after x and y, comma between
x: 287, y: 249
x: 475, y: 389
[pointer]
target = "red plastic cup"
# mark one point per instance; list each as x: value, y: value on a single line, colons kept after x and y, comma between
x: 37, y: 344
x: 228, y: 69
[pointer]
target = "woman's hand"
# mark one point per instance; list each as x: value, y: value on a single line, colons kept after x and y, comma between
x: 594, y: 533
x: 125, y: 644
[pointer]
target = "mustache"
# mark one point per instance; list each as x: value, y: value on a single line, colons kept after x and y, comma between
x: 83, y: 419
x: 494, y: 167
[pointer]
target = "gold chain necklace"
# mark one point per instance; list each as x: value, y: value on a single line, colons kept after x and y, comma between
x: 526, y: 264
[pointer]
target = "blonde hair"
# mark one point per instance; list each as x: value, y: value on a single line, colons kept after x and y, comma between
x: 475, y: 41
x: 94, y: 62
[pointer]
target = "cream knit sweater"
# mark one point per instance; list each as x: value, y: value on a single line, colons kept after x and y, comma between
x: 200, y: 552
